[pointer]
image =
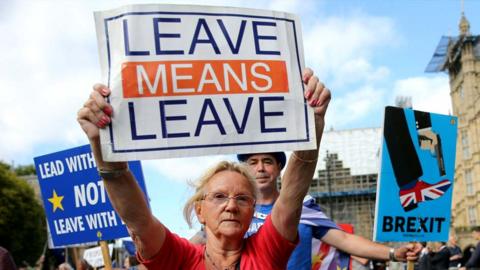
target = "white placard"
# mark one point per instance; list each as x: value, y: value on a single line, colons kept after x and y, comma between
x: 94, y: 255
x: 196, y: 80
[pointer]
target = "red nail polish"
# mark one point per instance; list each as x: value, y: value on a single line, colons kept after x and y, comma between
x: 308, y: 94
x: 108, y: 111
x: 100, y: 123
x: 106, y: 119
x: 313, y: 102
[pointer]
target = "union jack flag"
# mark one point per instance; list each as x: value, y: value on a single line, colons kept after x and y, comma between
x: 324, y: 256
x: 423, y: 192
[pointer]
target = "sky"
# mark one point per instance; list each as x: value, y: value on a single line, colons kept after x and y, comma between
x: 366, y: 51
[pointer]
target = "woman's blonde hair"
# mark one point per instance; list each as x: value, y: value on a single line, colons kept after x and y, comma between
x: 200, y: 184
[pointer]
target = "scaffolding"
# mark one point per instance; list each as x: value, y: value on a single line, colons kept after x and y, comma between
x: 346, y: 198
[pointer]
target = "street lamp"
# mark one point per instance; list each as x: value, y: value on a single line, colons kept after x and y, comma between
x: 328, y: 164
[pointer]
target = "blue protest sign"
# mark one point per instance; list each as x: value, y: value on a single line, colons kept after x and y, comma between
x: 76, y: 203
x: 414, y: 192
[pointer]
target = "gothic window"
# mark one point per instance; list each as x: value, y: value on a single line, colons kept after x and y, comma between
x: 465, y: 144
x: 472, y: 215
x: 469, y: 182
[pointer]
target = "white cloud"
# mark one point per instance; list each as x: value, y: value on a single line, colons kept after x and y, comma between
x: 359, y: 69
x: 52, y: 63
x: 365, y: 105
x: 341, y: 49
x: 354, y: 105
x: 184, y: 169
x: 294, y: 6
x: 430, y: 94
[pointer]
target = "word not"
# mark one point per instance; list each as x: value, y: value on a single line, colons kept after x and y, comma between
x: 89, y: 193
x: 202, y: 29
x: 199, y: 77
x: 209, y: 108
x: 412, y: 224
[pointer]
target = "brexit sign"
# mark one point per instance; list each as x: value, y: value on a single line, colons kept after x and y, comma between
x: 196, y: 80
x: 414, y: 193
x: 76, y: 203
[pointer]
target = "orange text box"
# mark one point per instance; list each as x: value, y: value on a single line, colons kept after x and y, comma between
x: 203, y: 77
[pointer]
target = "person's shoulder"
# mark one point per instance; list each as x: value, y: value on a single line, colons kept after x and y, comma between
x: 3, y: 250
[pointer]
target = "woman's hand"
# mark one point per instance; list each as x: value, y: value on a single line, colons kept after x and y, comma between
x: 96, y: 112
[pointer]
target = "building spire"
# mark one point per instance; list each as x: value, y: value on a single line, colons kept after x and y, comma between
x: 464, y: 25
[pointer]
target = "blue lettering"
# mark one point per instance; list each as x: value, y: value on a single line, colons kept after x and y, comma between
x: 264, y: 114
x: 234, y: 48
x: 131, y: 112
x: 159, y: 35
x: 126, y: 42
x: 203, y: 24
x: 164, y: 118
x: 240, y: 128
x: 216, y: 121
x: 258, y: 37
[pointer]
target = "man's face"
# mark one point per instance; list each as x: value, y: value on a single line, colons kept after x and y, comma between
x: 452, y: 240
x: 266, y: 170
x: 476, y: 234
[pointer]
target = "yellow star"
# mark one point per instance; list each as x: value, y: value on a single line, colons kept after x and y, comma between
x: 56, y: 201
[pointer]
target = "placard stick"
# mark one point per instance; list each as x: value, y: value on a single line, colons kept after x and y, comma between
x: 411, y: 264
x: 76, y: 260
x: 106, y: 255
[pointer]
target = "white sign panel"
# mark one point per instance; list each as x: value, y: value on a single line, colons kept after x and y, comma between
x: 94, y: 255
x: 196, y: 80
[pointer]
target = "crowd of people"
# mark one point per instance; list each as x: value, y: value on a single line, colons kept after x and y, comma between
x: 448, y: 255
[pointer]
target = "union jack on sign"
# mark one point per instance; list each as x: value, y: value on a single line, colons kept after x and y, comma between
x: 423, y: 192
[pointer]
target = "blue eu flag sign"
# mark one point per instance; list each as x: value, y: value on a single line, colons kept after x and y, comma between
x: 76, y: 203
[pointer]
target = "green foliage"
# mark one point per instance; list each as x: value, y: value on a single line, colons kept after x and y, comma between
x: 25, y: 170
x: 22, y: 218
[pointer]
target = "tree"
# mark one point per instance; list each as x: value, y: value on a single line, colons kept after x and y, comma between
x: 25, y: 170
x: 22, y: 218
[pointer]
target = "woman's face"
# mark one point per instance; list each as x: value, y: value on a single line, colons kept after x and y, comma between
x: 228, y: 205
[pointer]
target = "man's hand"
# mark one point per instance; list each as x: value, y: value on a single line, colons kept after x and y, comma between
x: 408, y: 252
x: 428, y: 140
